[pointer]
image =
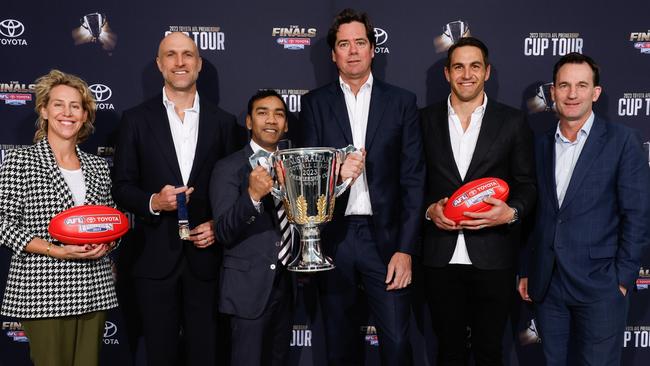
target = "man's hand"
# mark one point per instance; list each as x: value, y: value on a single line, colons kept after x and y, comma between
x: 203, y: 235
x: 438, y: 217
x: 398, y: 275
x: 259, y: 183
x: 353, y: 165
x: 499, y: 214
x: 623, y: 289
x: 165, y: 200
x: 523, y: 289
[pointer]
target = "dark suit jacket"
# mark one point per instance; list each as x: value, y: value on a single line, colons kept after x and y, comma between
x: 394, y: 163
x: 251, y: 239
x: 145, y: 161
x: 595, y: 238
x: 504, y: 150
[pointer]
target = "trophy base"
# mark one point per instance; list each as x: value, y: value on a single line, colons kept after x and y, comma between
x: 326, y: 265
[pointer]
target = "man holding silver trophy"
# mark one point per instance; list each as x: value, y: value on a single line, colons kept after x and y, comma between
x: 375, y: 227
x: 255, y: 288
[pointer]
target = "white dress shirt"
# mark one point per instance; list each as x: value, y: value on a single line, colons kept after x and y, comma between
x: 463, y: 144
x: 358, y: 109
x: 567, y: 154
x: 185, y: 134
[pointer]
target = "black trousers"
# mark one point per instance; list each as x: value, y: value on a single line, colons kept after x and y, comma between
x: 265, y: 340
x: 469, y: 309
x: 178, y: 302
x: 358, y: 262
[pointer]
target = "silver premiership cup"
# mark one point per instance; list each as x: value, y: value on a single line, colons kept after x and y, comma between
x: 307, y: 179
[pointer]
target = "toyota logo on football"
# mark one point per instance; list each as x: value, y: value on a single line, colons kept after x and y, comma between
x: 101, y: 92
x: 380, y: 36
x: 11, y: 28
x: 109, y: 329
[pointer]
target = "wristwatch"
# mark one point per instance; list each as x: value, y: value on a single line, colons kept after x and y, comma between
x: 515, y: 216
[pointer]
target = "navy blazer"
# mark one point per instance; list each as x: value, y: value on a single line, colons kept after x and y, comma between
x: 251, y: 239
x: 394, y: 161
x: 595, y: 238
x: 145, y: 161
x: 504, y: 149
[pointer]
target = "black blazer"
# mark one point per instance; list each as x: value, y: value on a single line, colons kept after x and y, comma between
x: 394, y: 161
x: 145, y: 161
x: 251, y: 239
x: 504, y: 150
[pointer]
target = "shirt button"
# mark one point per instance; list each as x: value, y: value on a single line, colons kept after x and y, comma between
x: 277, y: 243
x: 272, y: 266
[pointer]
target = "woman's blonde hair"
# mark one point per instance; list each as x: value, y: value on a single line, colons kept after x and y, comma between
x: 44, y: 86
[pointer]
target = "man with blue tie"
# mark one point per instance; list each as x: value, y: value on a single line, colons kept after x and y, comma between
x: 376, y: 224
x: 593, y: 217
x: 255, y: 288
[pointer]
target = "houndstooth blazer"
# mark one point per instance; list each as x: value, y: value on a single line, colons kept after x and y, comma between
x: 32, y: 191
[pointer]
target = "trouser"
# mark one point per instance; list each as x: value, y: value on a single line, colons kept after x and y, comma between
x: 65, y: 341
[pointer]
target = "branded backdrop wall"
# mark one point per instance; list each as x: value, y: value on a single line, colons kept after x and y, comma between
x: 260, y: 44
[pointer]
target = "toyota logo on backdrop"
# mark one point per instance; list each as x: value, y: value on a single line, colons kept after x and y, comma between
x: 380, y: 36
x: 109, y: 329
x: 101, y: 92
x: 11, y: 28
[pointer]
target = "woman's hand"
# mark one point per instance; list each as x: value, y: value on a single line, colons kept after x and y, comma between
x: 88, y: 251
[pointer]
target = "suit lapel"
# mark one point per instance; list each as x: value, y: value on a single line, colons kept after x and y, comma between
x: 340, y: 111
x: 594, y: 144
x: 267, y: 201
x: 161, y: 132
x: 376, y: 112
x: 49, y: 163
x: 490, y: 127
x: 206, y: 135
x: 447, y: 154
x: 548, y: 166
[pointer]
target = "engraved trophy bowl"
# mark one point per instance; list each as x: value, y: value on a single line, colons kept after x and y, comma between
x: 306, y: 183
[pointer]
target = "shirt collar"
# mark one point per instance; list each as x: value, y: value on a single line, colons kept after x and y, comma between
x: 367, y: 84
x: 257, y: 147
x: 584, y: 130
x: 168, y: 103
x: 479, y: 110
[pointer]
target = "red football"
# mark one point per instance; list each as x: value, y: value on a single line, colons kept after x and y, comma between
x: 469, y: 197
x: 88, y: 225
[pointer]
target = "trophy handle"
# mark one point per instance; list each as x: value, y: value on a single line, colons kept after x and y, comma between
x: 343, y: 154
x: 278, y: 193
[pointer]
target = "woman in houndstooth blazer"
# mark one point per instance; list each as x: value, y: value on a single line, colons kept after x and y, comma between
x: 60, y: 292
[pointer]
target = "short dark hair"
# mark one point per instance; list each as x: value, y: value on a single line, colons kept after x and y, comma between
x: 348, y: 16
x: 577, y: 58
x: 468, y: 41
x: 261, y: 94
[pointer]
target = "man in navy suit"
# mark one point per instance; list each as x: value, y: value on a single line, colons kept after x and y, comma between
x: 376, y: 224
x: 168, y: 146
x: 469, y: 267
x: 593, y: 214
x: 255, y: 286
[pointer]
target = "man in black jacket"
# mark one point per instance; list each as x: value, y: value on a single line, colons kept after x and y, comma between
x: 469, y: 266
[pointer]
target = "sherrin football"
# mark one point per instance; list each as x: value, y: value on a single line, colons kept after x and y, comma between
x: 469, y: 197
x: 90, y: 224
